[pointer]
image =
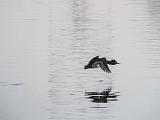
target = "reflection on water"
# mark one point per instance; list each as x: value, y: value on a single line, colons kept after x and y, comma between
x: 56, y: 38
x: 102, y: 97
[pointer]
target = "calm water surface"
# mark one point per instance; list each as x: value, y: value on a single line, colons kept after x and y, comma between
x: 45, y: 44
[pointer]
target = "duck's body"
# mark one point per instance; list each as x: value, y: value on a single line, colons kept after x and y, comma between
x: 100, y: 62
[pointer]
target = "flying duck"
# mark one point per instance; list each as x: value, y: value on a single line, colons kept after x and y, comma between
x: 100, y: 62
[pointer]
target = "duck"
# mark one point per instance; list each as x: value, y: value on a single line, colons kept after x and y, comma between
x: 103, y: 63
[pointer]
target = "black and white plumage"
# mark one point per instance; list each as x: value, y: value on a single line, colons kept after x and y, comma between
x: 100, y: 62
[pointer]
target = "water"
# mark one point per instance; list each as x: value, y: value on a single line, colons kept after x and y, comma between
x: 45, y: 44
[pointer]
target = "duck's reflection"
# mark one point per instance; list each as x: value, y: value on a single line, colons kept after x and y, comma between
x: 103, y: 96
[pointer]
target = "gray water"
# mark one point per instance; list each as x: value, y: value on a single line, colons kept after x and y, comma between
x: 45, y: 44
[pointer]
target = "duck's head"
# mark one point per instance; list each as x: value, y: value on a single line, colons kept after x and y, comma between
x: 113, y: 62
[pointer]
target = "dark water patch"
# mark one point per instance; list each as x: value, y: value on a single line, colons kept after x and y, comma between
x: 100, y: 80
x: 98, y: 107
x: 10, y: 84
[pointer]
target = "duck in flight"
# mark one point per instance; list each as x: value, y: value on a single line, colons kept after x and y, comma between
x: 100, y: 62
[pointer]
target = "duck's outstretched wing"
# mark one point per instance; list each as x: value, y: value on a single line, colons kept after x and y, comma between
x: 104, y: 66
x: 91, y: 63
x: 93, y: 60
